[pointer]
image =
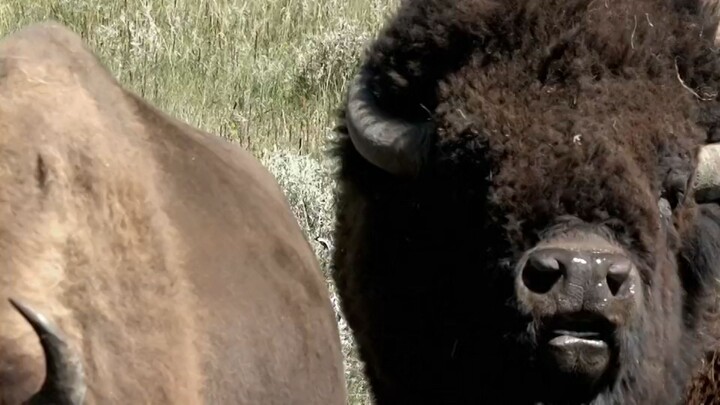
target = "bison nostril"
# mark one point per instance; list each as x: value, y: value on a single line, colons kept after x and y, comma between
x: 617, y: 274
x: 540, y: 273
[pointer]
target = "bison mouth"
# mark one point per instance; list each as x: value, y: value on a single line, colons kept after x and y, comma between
x: 578, y: 347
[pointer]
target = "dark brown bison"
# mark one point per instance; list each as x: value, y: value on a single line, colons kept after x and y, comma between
x: 526, y: 213
x: 158, y: 264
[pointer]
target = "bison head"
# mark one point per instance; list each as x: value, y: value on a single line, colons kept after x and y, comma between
x: 548, y: 203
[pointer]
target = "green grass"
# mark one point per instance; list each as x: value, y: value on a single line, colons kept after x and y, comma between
x: 266, y: 73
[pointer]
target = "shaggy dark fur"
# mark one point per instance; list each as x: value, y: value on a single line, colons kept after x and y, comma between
x: 548, y: 114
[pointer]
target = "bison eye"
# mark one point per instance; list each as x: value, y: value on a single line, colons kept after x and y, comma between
x: 674, y: 187
x: 615, y: 225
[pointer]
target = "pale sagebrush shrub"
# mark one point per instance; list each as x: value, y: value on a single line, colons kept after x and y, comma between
x: 308, y: 184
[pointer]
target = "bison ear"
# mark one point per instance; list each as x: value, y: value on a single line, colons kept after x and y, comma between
x: 707, y: 10
x: 706, y: 182
x: 710, y: 10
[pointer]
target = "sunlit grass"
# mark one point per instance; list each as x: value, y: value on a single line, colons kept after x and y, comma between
x: 265, y: 72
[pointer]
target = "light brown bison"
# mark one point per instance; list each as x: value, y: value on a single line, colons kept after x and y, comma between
x: 528, y: 209
x: 159, y: 264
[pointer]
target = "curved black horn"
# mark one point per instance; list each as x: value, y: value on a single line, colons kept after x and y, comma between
x: 64, y: 377
x: 394, y: 145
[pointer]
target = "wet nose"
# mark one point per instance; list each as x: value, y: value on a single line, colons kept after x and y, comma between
x: 546, y: 268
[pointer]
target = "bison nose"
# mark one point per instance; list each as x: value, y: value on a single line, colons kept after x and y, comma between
x: 545, y: 268
x: 618, y: 273
x: 542, y: 270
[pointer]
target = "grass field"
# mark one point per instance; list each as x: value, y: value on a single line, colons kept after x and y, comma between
x: 267, y: 73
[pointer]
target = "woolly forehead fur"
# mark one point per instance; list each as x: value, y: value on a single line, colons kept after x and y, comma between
x: 572, y: 103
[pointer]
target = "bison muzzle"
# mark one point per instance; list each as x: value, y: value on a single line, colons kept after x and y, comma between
x: 580, y: 291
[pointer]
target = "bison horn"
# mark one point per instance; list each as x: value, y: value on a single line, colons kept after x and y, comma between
x: 64, y: 377
x: 396, y: 146
x: 401, y: 147
x: 707, y: 176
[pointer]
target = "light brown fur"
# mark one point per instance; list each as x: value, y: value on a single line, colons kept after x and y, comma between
x: 123, y: 226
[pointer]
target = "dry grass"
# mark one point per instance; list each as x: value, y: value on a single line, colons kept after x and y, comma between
x: 264, y: 72
x: 267, y: 73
